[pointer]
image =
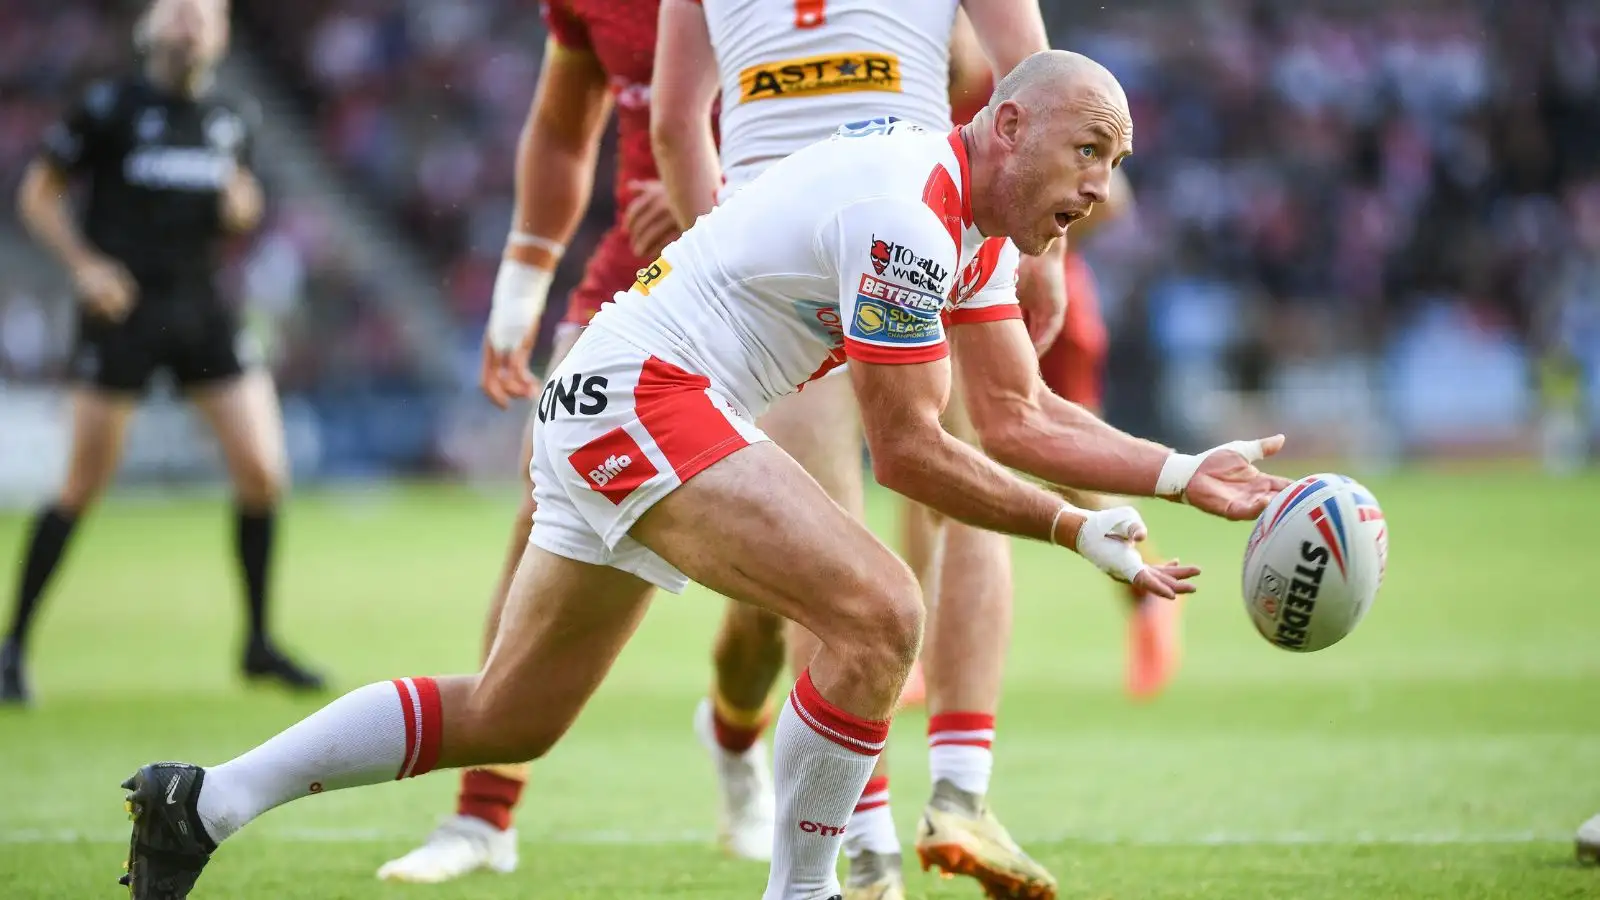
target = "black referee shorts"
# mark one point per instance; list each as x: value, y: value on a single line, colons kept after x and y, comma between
x: 186, y: 331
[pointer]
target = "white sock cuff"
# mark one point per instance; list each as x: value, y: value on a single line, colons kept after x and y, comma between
x: 965, y: 766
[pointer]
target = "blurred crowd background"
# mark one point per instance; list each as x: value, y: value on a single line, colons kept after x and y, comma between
x: 1373, y: 225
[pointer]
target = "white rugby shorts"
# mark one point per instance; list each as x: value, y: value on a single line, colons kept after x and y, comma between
x: 619, y: 429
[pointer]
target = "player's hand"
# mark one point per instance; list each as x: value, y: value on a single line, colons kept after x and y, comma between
x: 1108, y: 537
x: 241, y: 202
x: 1042, y: 294
x: 504, y: 374
x: 649, y: 220
x: 1226, y: 482
x: 105, y: 286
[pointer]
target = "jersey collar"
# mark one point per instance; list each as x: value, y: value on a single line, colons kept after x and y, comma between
x: 959, y: 146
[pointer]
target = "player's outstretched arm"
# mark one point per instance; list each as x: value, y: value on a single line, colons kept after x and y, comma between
x: 683, y: 88
x: 899, y: 364
x: 913, y: 455
x: 1022, y: 424
x: 555, y: 165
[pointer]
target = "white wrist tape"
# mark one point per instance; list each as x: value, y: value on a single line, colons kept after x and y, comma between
x: 1180, y: 467
x: 519, y: 294
x: 1056, y: 522
x: 1109, y: 538
x: 1175, y: 474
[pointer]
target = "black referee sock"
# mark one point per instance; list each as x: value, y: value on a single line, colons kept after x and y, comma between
x: 253, y: 541
x: 51, y: 530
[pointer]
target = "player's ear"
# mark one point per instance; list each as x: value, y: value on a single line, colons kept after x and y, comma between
x: 1008, y: 123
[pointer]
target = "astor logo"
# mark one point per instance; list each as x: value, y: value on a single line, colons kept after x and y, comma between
x: 577, y: 394
x: 821, y: 829
x: 649, y: 276
x: 829, y: 73
x: 610, y: 469
x: 1302, y: 601
x: 900, y: 295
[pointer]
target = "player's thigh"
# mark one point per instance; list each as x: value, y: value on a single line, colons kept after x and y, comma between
x: 821, y: 428
x: 563, y: 625
x: 644, y: 465
x: 99, y: 429
x: 756, y: 528
x: 244, y: 414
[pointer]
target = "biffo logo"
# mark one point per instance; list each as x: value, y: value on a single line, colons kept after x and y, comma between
x: 613, y: 464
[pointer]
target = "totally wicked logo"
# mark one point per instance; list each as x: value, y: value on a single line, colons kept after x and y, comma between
x: 906, y: 266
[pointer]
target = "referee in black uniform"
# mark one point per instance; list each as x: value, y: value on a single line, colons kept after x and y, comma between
x: 166, y: 167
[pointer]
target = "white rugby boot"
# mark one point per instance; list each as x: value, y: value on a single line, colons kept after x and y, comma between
x: 459, y: 846
x: 1588, y: 842
x: 744, y: 780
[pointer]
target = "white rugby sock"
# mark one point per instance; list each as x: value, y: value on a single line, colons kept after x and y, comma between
x: 381, y: 732
x: 872, y: 824
x: 822, y: 758
x: 960, y: 750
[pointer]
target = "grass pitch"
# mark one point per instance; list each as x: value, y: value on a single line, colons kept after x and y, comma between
x: 1446, y: 750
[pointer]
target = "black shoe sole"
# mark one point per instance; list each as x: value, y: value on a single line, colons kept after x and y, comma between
x: 144, y: 798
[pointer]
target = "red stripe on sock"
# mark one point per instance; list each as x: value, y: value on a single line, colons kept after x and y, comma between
x: 408, y: 712
x: 489, y: 797
x: 736, y: 738
x: 878, y: 790
x: 432, y: 726
x: 960, y: 721
x: 960, y: 742
x: 863, y: 736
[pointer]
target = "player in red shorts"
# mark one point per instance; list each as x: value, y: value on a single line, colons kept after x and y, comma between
x: 1073, y: 367
x: 598, y: 57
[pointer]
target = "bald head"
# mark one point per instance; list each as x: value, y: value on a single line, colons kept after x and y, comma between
x: 1044, y: 147
x: 1049, y: 76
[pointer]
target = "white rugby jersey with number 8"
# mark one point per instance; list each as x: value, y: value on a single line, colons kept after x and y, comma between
x: 791, y: 72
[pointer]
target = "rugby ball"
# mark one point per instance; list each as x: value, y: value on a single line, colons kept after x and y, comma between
x: 1314, y: 562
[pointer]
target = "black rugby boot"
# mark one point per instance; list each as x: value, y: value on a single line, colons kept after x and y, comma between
x: 13, y: 677
x: 169, y: 846
x: 263, y: 661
